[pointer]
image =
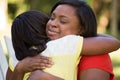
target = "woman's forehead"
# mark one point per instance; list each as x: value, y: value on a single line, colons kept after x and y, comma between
x: 64, y: 10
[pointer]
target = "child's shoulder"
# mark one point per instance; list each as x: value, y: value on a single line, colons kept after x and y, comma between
x: 67, y: 39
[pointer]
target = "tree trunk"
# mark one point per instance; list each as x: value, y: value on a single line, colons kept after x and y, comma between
x: 114, y: 31
x: 34, y: 4
x: 3, y: 14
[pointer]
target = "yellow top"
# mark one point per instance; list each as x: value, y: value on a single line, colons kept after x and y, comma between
x: 65, y: 53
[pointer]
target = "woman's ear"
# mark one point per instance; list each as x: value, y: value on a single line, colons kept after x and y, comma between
x: 82, y: 30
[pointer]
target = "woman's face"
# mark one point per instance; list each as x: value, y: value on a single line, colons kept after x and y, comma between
x: 63, y: 22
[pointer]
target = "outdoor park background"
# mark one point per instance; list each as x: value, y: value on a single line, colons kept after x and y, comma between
x: 107, y: 14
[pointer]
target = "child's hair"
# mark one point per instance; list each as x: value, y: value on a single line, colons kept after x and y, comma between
x: 28, y: 34
x: 85, y: 15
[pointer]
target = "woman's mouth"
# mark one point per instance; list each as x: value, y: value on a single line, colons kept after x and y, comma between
x: 52, y: 32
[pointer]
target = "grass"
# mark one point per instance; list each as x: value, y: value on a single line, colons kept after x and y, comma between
x: 116, y: 63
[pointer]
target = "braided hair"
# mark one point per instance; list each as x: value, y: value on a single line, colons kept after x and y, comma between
x: 28, y: 30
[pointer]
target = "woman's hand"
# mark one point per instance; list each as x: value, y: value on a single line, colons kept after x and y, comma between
x: 30, y: 64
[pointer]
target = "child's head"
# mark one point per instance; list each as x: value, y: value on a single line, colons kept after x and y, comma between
x: 86, y: 25
x: 28, y: 29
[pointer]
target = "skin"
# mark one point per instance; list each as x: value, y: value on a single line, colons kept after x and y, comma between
x: 28, y: 64
x: 63, y: 22
x: 99, y: 74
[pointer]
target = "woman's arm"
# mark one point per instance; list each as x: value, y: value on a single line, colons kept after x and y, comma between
x: 101, y: 44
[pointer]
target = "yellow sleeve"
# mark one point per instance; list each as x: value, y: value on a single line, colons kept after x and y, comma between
x: 11, y: 66
x: 26, y: 76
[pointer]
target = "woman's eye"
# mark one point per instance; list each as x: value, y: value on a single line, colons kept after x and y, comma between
x: 51, y: 18
x: 63, y: 22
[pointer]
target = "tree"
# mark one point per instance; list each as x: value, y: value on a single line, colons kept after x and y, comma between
x: 114, y: 31
x: 3, y: 14
x: 41, y: 5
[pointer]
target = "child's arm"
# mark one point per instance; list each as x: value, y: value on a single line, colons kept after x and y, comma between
x: 28, y: 64
x: 41, y: 75
x: 101, y: 44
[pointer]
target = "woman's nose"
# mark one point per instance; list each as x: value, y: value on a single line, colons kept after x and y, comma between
x: 53, y: 23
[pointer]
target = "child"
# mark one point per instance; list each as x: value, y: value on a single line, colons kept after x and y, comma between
x: 28, y: 36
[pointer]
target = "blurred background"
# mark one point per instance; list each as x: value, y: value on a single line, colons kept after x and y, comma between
x: 107, y: 14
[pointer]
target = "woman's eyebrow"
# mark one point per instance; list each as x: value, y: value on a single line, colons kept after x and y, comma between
x: 63, y: 16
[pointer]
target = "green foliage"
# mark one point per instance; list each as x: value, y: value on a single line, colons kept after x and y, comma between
x: 41, y: 5
x: 11, y: 1
x: 12, y: 9
x: 90, y: 2
x: 16, y: 7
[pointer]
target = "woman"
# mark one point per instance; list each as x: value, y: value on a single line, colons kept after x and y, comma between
x: 61, y: 17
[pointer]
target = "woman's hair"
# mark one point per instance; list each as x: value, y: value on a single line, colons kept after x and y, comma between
x: 28, y: 31
x: 85, y: 15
